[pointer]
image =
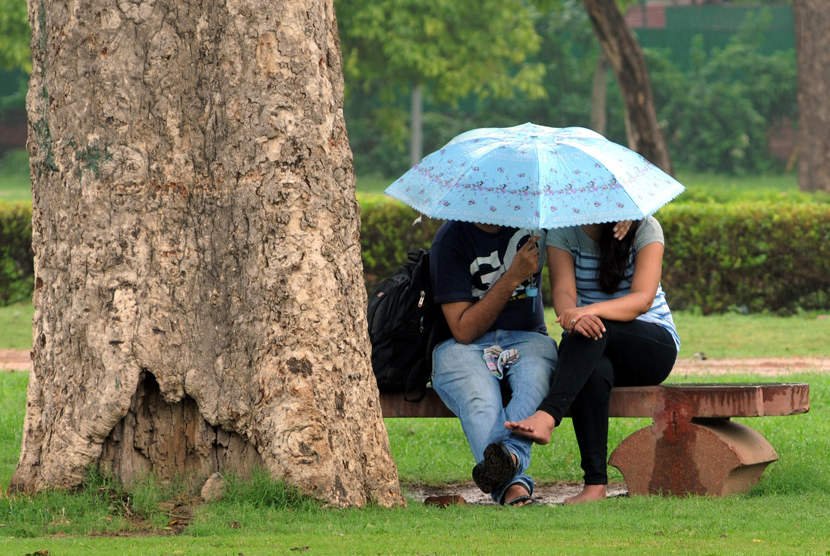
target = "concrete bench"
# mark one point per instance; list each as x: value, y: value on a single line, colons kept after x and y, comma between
x: 691, y: 447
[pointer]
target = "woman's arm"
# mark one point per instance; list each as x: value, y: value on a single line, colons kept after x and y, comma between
x: 563, y: 291
x: 562, y: 279
x: 648, y: 266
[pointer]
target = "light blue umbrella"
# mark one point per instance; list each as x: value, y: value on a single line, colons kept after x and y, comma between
x: 531, y: 176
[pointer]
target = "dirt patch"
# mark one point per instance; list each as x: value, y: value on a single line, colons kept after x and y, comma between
x: 761, y: 367
x: 549, y: 495
x: 15, y: 360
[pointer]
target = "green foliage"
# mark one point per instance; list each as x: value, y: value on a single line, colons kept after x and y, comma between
x: 716, y: 117
x: 14, y: 35
x: 768, y: 188
x: 769, y: 255
x: 458, y: 51
x: 14, y: 163
x: 13, y: 96
x: 16, y: 256
x: 569, y: 54
x: 454, y: 48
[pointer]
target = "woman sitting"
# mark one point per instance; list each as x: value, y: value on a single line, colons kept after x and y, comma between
x: 618, y: 332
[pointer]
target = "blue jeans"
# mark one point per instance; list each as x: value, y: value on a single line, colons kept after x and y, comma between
x: 465, y: 384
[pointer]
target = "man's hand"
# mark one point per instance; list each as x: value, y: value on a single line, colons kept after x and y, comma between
x: 526, y: 262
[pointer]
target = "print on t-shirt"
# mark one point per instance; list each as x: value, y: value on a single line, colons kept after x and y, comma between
x: 486, y: 270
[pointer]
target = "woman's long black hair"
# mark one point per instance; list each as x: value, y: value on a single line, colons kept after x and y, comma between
x: 613, y: 256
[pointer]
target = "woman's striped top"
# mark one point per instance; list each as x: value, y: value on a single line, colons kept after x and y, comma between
x: 585, y: 252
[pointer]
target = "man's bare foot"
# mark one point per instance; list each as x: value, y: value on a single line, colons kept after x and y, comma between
x: 517, y: 495
x: 538, y: 427
x: 591, y: 493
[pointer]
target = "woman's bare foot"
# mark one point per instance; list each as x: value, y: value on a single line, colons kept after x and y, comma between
x: 517, y: 495
x: 538, y: 427
x: 591, y: 493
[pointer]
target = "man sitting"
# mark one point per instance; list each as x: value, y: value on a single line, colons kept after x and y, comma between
x: 485, y: 278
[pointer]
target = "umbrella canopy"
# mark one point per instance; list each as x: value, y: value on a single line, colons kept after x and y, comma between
x: 531, y: 176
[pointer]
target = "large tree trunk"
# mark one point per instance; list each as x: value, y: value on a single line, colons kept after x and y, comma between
x: 199, y: 300
x: 812, y: 34
x: 626, y: 59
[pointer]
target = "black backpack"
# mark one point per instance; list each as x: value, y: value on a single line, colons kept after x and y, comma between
x: 404, y: 327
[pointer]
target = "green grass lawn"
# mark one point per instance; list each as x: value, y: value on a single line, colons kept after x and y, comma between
x: 16, y: 326
x: 15, y: 187
x: 723, y: 336
x: 14, y: 177
x: 788, y: 512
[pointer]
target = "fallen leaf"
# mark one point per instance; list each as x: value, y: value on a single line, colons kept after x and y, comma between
x: 445, y: 501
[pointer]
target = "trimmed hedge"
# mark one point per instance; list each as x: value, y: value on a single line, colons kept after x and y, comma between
x: 748, y: 256
x: 388, y: 231
x: 752, y: 256
x: 16, y: 257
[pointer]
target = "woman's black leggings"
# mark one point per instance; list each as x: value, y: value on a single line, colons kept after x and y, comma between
x: 634, y: 353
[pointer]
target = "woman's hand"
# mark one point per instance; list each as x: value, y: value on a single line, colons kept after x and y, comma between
x: 621, y: 229
x: 580, y: 321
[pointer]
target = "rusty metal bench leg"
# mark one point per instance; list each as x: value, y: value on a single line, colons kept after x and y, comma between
x: 675, y: 456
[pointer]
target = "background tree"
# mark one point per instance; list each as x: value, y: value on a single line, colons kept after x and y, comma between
x: 198, y: 299
x: 626, y: 59
x: 812, y: 32
x: 444, y: 50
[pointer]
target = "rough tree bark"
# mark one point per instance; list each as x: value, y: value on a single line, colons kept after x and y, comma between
x: 199, y: 301
x: 812, y: 33
x: 624, y: 55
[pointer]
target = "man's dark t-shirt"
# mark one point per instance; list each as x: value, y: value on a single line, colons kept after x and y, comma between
x: 466, y: 260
